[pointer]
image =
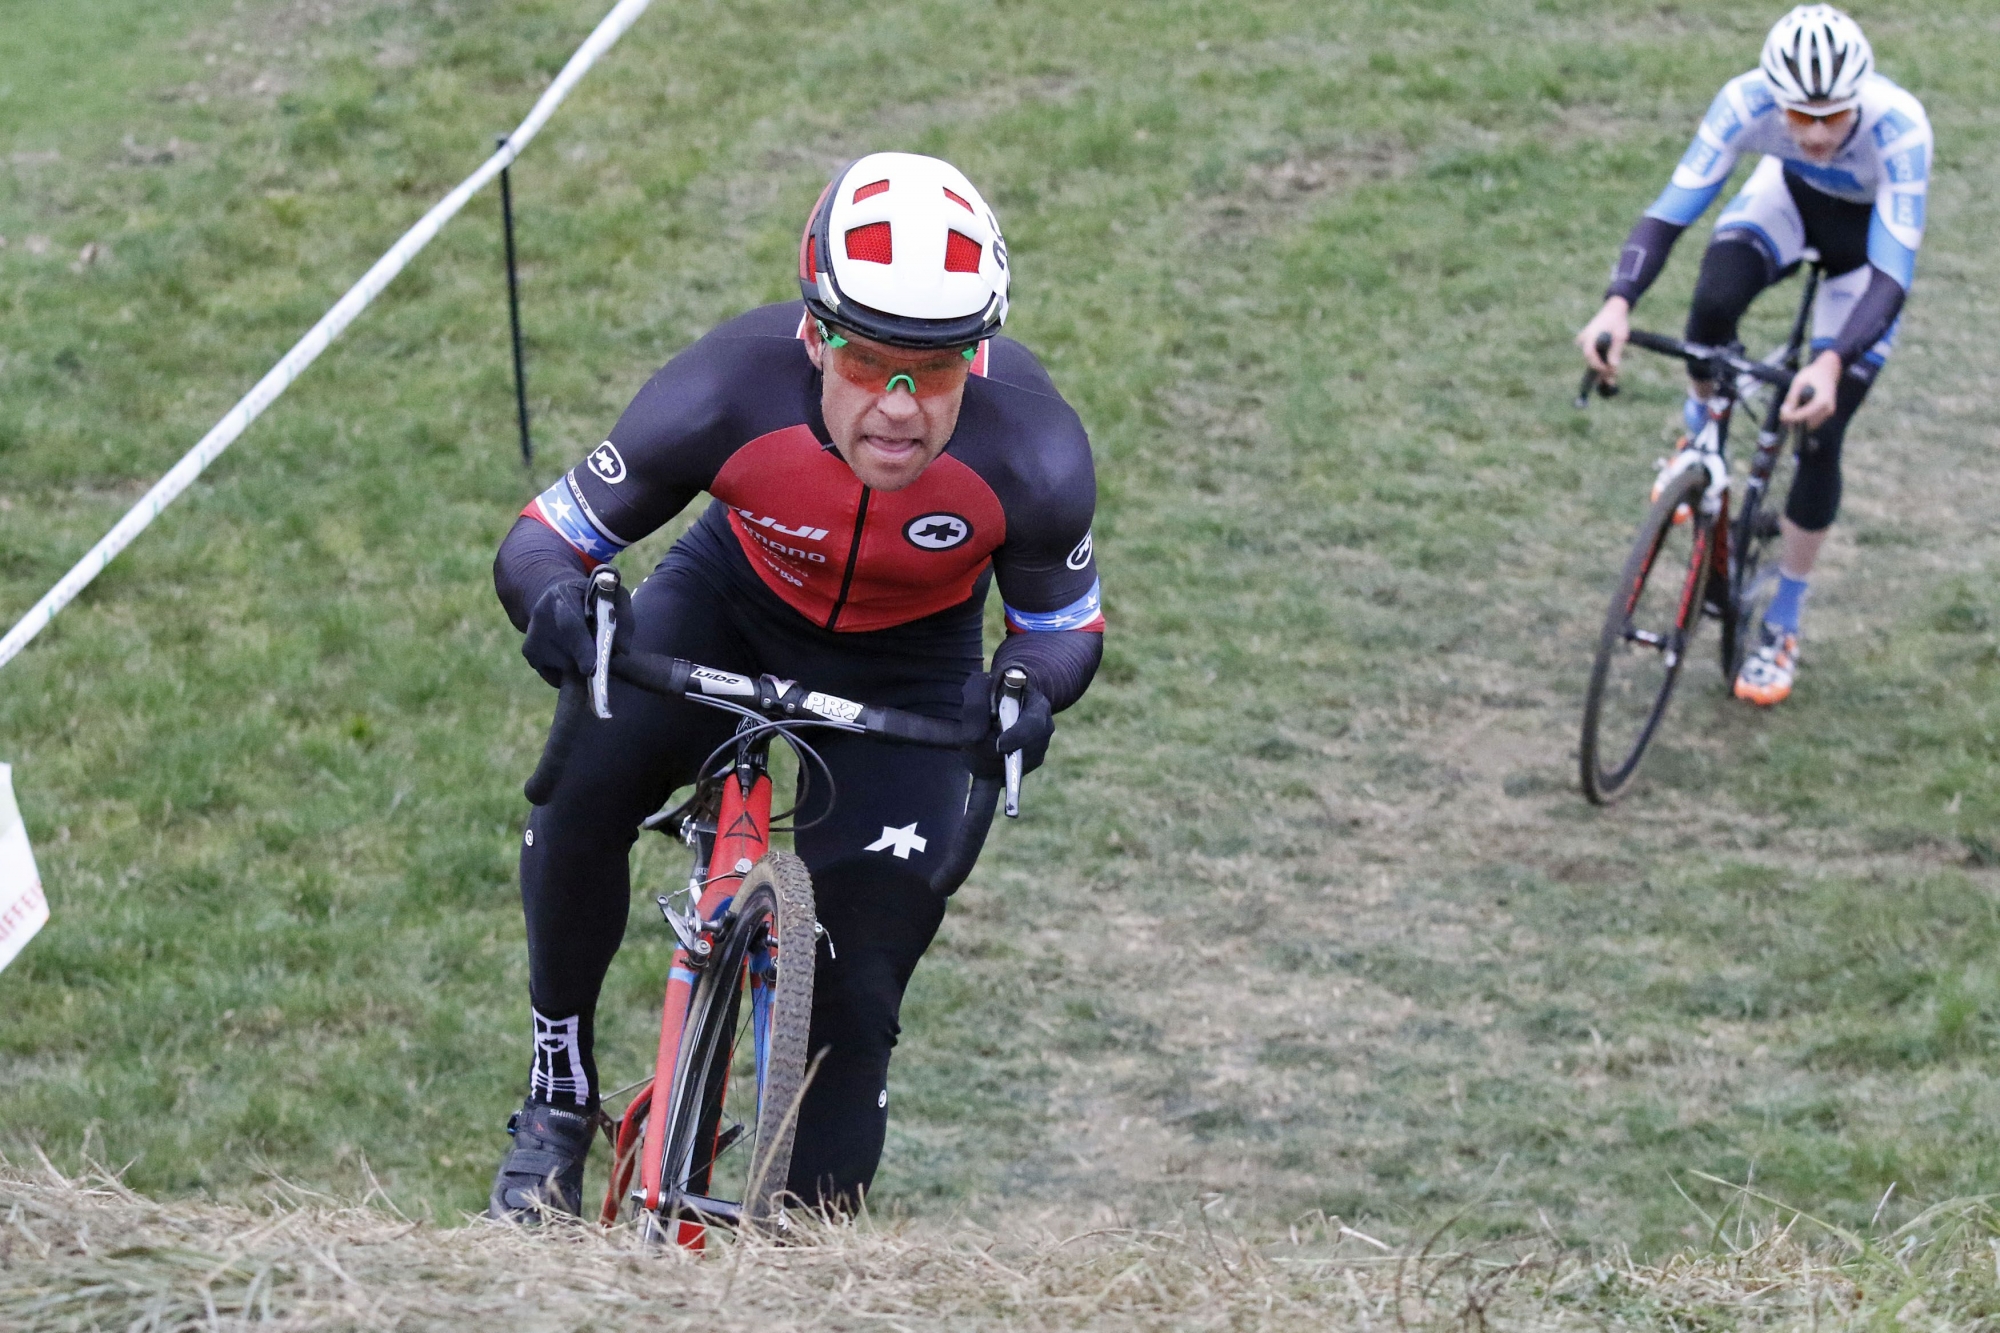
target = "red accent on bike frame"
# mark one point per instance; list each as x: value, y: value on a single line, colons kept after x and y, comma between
x: 1639, y: 583
x: 1721, y: 557
x: 744, y: 835
x: 625, y: 1153
x: 1696, y: 559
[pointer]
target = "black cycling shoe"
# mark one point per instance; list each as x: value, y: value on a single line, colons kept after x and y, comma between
x: 543, y: 1171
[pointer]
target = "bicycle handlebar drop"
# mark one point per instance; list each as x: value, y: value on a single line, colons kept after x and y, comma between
x: 1592, y: 380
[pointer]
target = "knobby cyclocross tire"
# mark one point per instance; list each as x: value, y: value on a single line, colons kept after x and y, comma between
x: 772, y: 906
x: 1653, y: 617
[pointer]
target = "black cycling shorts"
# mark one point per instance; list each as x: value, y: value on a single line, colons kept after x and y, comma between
x: 1734, y: 269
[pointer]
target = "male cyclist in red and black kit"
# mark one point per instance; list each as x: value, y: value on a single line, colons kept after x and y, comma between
x: 877, y: 454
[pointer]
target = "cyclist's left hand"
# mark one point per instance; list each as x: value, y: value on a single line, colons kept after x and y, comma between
x: 1030, y: 733
x: 1824, y: 377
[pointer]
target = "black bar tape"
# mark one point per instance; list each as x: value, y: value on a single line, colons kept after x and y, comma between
x: 1657, y: 342
x: 892, y: 724
x: 653, y: 672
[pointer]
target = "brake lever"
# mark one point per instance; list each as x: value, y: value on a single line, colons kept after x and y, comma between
x: 1604, y: 388
x: 1013, y: 689
x: 603, y: 595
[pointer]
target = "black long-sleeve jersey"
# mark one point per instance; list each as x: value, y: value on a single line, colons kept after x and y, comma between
x: 738, y: 415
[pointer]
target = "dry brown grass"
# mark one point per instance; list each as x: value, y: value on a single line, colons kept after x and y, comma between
x: 88, y: 1253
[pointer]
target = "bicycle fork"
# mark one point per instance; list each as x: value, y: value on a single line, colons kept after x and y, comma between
x: 741, y: 839
x: 1707, y: 452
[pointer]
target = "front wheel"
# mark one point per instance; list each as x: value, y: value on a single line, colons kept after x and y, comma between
x: 1653, y: 616
x: 742, y: 1069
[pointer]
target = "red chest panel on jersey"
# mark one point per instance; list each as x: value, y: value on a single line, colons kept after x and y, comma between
x: 849, y: 557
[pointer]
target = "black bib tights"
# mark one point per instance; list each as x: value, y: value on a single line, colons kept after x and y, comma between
x: 877, y: 906
x: 1734, y: 269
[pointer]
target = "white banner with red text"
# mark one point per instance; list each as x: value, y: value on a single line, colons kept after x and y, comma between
x: 23, y: 908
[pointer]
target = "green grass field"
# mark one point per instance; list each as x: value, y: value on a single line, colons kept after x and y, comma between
x: 1305, y: 913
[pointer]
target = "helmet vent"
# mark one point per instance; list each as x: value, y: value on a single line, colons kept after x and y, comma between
x: 1815, y: 59
x: 874, y: 245
x: 887, y: 255
x: 961, y: 252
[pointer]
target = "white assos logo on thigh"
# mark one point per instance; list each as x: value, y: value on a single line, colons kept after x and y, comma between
x: 1080, y: 557
x: 937, y: 532
x: 607, y: 463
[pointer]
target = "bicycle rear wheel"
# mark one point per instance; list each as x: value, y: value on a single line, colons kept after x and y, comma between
x: 1754, y: 578
x: 742, y: 1070
x: 1653, y: 616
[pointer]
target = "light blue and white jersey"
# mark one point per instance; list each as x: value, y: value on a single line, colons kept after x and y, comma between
x: 1886, y: 161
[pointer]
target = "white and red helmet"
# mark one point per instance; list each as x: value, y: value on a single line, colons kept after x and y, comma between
x: 1815, y: 60
x: 902, y: 249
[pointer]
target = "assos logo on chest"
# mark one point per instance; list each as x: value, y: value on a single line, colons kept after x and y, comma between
x: 937, y: 532
x: 607, y: 463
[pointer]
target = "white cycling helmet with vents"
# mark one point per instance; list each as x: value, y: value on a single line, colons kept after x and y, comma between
x: 1815, y: 60
x: 902, y: 249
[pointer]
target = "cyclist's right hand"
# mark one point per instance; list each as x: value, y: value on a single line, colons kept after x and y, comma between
x: 559, y: 641
x: 1030, y: 734
x: 1615, y: 318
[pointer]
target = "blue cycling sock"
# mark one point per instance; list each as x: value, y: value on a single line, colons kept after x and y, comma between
x: 1694, y: 415
x: 1786, y: 606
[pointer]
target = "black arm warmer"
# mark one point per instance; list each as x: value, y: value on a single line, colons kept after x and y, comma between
x: 1644, y: 255
x: 532, y: 559
x: 1871, y: 317
x: 1059, y: 663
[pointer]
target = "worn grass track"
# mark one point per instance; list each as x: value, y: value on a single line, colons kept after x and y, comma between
x: 90, y: 1254
x: 1305, y: 916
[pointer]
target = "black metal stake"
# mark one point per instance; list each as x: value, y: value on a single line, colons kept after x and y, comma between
x: 514, y: 311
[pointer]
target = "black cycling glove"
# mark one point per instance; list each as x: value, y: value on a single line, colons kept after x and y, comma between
x: 560, y: 641
x: 1030, y: 734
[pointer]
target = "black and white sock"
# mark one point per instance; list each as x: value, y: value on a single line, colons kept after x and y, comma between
x: 564, y: 1073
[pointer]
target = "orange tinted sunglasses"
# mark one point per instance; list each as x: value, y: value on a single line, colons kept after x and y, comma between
x: 929, y: 375
x: 1801, y: 119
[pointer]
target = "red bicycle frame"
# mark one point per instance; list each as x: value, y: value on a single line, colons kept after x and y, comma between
x: 726, y: 851
x: 743, y: 835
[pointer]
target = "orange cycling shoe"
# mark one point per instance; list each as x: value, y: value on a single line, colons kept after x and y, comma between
x: 1768, y: 673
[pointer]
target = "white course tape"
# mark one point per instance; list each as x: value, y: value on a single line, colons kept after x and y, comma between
x: 280, y: 378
